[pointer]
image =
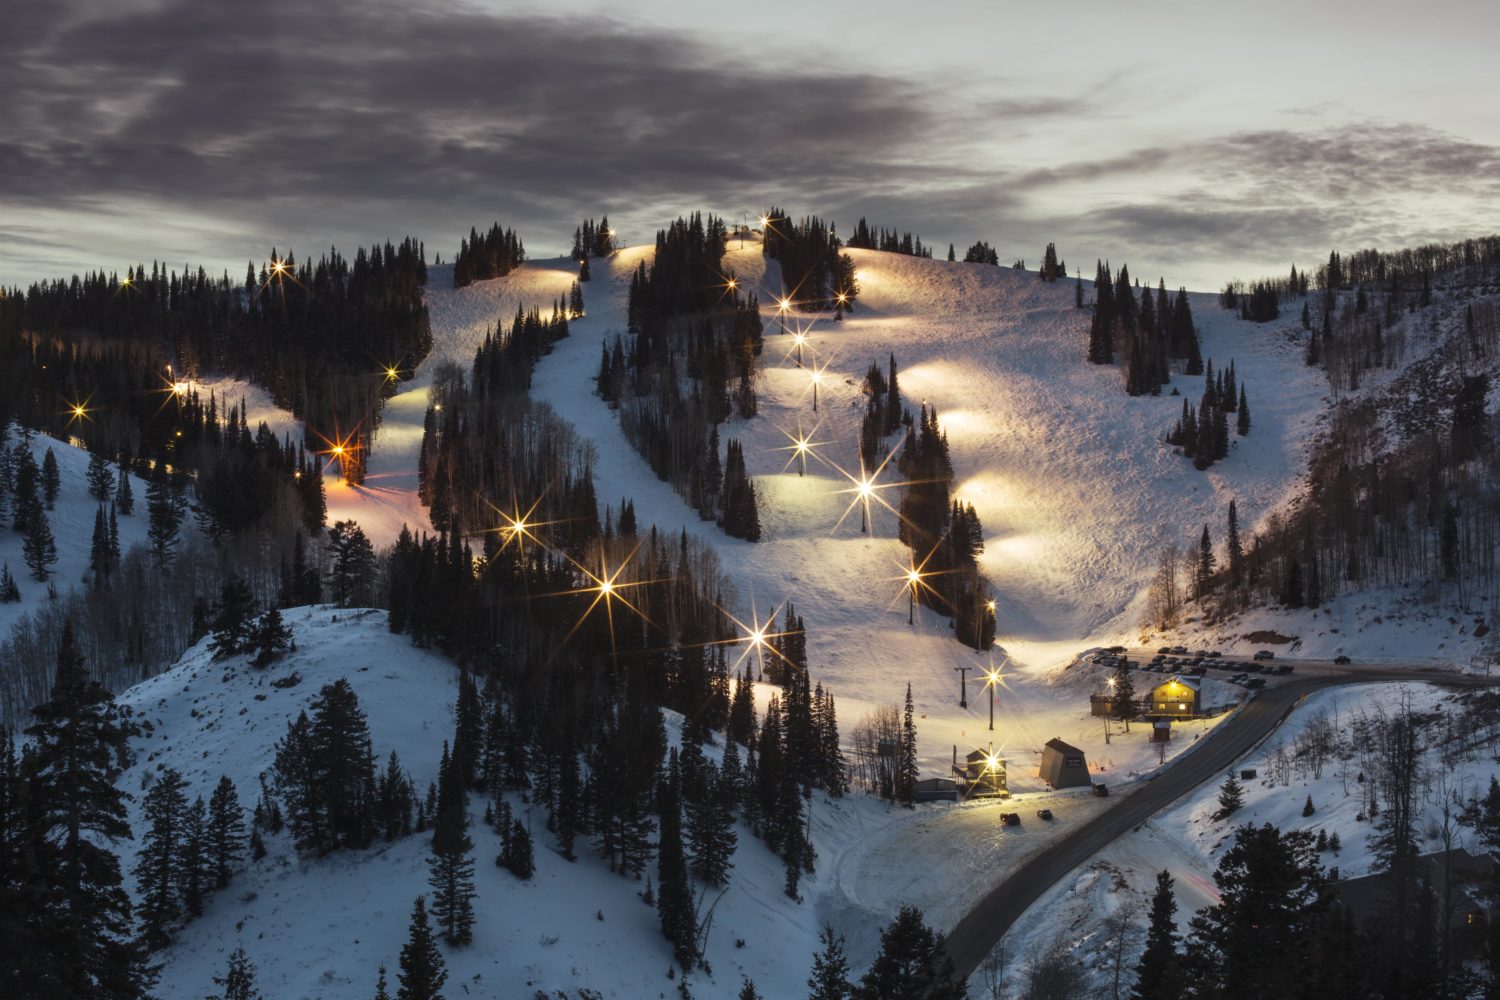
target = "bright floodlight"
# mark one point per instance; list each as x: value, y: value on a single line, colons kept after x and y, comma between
x: 784, y: 304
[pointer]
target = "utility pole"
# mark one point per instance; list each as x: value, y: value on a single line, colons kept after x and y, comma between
x: 963, y: 689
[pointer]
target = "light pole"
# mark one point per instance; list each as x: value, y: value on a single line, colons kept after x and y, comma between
x: 866, y: 489
x: 781, y: 307
x: 991, y: 679
x: 912, y: 579
x: 817, y: 380
x: 799, y: 339
x: 963, y: 686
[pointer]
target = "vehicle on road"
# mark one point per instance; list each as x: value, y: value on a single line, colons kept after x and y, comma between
x: 1255, y: 683
x: 1010, y: 819
x: 1341, y: 658
x: 1264, y: 654
x: 1044, y: 814
x: 1101, y: 791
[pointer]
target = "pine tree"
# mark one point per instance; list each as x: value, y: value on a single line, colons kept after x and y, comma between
x: 906, y: 773
x: 913, y: 962
x: 164, y: 809
x: 1236, y: 553
x: 517, y: 855
x: 352, y: 567
x: 232, y: 627
x: 270, y: 638
x: 51, y: 480
x: 10, y: 593
x: 451, y: 874
x: 1203, y: 574
x: 1242, y: 424
x: 674, y: 896
x: 194, y: 865
x: 163, y: 516
x: 1159, y: 974
x: 710, y: 830
x: 830, y: 971
x: 226, y: 827
x: 381, y: 992
x: 100, y: 478
x: 39, y: 548
x: 748, y: 991
x: 124, y: 493
x: 422, y: 972
x: 1231, y: 797
x: 77, y: 743
x: 238, y: 981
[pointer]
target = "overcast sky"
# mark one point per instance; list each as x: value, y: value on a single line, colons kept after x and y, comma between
x: 1184, y: 138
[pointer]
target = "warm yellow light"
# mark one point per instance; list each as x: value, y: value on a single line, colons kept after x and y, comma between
x: 437, y: 407
x: 992, y: 762
x: 278, y: 266
x: 338, y: 450
x: 913, y: 577
x: 990, y: 606
x: 817, y: 377
x: 178, y: 388
x: 79, y: 411
x: 765, y: 221
x: 125, y: 282
x: 391, y: 374
x: 732, y: 283
x: 843, y: 297
x: 799, y: 339
x: 783, y: 305
x: 993, y: 677
x: 606, y: 587
x: 866, y: 490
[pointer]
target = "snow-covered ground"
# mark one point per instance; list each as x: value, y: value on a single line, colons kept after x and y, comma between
x: 1189, y: 841
x: 319, y: 928
x: 72, y: 524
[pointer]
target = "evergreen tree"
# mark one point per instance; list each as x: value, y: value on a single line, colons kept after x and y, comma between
x: 163, y: 515
x: 906, y: 772
x: 51, y: 480
x: 101, y: 478
x: 238, y: 981
x: 1242, y: 423
x: 1236, y: 553
x: 674, y: 896
x: 77, y: 744
x: 124, y: 493
x: 232, y: 626
x: 517, y: 855
x: 39, y: 549
x: 1159, y: 973
x: 226, y: 828
x: 451, y: 874
x: 830, y: 971
x: 1231, y: 797
x: 1124, y: 695
x: 164, y: 809
x: 1203, y: 574
x: 352, y: 568
x: 381, y: 993
x: 710, y: 829
x: 10, y: 593
x: 423, y: 972
x: 194, y: 865
x: 913, y: 963
x: 270, y: 638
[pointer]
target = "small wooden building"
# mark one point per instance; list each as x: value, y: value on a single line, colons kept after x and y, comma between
x: 983, y: 775
x: 1064, y: 765
x: 936, y: 790
x: 1178, y: 698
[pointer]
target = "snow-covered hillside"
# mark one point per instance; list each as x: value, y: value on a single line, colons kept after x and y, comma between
x: 72, y: 523
x: 1188, y: 840
x: 318, y: 928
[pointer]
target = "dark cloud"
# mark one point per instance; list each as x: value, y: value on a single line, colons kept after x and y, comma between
x: 178, y: 128
x: 290, y: 112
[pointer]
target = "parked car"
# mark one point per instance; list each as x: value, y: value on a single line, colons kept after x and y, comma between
x: 1255, y: 682
x: 1341, y: 658
x: 1114, y: 649
x: 1101, y: 791
x: 1180, y: 650
x: 1196, y: 671
x: 1215, y: 653
x: 1044, y: 814
x: 1165, y: 649
x: 1283, y: 670
x: 1264, y: 654
x: 1010, y: 819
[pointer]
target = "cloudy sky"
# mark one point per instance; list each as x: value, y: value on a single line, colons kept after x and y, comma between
x: 1185, y: 138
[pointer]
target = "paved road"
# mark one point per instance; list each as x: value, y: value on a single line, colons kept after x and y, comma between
x: 979, y: 930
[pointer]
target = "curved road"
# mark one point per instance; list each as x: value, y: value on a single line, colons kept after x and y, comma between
x: 983, y: 926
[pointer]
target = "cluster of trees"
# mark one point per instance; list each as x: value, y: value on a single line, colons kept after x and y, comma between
x: 866, y: 237
x: 1204, y: 436
x: 819, y: 276
x: 187, y: 851
x: 29, y: 491
x: 944, y: 534
x: 1150, y: 331
x: 979, y: 253
x: 884, y: 413
x: 317, y: 336
x: 593, y: 239
x: 66, y: 919
x: 685, y: 365
x: 1052, y: 267
x: 491, y: 255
